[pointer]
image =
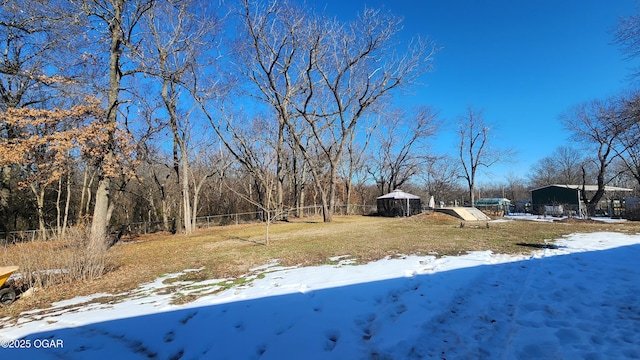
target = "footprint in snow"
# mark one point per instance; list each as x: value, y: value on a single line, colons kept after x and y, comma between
x: 332, y: 337
x: 177, y: 355
x: 365, y: 323
x: 189, y: 316
x: 397, y: 311
x: 168, y: 337
x: 239, y: 326
x: 261, y: 349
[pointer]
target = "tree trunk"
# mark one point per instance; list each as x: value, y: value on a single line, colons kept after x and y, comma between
x: 100, y: 216
x: 38, y: 193
x: 266, y: 231
x: 5, y: 194
x: 85, y: 197
x: 165, y: 215
x: 280, y: 169
x: 58, y: 210
x: 67, y: 203
x: 301, y: 200
x: 196, y: 197
x: 101, y: 210
x: 327, y: 215
x: 472, y: 194
x: 332, y: 191
x: 186, y: 205
x: 347, y: 186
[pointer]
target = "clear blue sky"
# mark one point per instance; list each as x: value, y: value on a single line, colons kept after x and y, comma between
x: 523, y: 63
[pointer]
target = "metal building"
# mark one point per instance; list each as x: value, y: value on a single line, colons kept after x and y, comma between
x: 565, y: 199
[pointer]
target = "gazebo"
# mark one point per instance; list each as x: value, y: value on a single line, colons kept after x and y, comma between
x: 399, y: 203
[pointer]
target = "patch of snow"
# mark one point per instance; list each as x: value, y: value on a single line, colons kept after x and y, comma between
x: 576, y: 298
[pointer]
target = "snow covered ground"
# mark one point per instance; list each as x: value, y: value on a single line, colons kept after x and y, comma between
x: 579, y: 299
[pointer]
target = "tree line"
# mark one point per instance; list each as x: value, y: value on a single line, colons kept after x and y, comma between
x: 119, y: 111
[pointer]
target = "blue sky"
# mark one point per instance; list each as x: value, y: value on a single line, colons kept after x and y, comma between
x: 523, y: 63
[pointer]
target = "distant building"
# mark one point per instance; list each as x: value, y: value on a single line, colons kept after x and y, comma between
x: 632, y: 208
x: 522, y: 206
x: 565, y: 200
x: 399, y: 203
x: 495, y: 206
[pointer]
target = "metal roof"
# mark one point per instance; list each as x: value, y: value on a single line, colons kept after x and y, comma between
x: 586, y: 187
x: 399, y: 194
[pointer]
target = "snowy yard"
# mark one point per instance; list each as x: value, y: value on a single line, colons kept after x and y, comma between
x: 579, y: 299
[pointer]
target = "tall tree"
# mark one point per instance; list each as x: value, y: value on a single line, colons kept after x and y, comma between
x: 474, y: 150
x: 180, y: 35
x: 629, y: 139
x: 354, y: 169
x: 47, y: 138
x: 35, y: 69
x: 254, y: 146
x: 351, y: 68
x: 273, y: 60
x: 563, y: 166
x: 441, y: 178
x: 596, y: 126
x: 400, y: 147
x: 627, y: 37
x: 116, y: 21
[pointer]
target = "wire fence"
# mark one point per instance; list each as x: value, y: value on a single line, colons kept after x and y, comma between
x: 201, y: 222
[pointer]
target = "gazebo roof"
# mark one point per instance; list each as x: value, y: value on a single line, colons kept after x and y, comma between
x: 399, y: 194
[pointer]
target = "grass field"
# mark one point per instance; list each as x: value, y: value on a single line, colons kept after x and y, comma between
x: 230, y: 251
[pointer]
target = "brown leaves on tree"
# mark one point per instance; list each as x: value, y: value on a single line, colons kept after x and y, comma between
x: 41, y: 142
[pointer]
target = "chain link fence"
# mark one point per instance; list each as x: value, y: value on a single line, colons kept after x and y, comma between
x: 202, y: 222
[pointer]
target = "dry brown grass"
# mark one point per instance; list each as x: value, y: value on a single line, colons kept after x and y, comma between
x: 230, y: 251
x: 40, y: 261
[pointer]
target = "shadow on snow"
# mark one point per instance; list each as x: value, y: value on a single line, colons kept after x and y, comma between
x: 564, y: 306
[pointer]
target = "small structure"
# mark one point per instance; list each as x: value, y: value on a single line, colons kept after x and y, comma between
x: 522, y: 206
x: 399, y: 203
x: 632, y: 208
x: 565, y: 199
x: 494, y: 206
x: 465, y: 213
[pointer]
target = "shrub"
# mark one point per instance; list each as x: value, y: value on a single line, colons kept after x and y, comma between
x: 67, y: 259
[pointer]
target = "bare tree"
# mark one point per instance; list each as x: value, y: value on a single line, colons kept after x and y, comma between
x: 400, y: 147
x: 596, y: 125
x: 516, y: 188
x: 351, y: 68
x: 208, y: 164
x: 440, y: 178
x: 627, y: 37
x: 299, y: 177
x: 355, y: 165
x: 320, y: 77
x: 254, y: 146
x: 180, y: 34
x: 273, y: 60
x: 628, y: 148
x: 475, y: 151
x: 563, y: 166
x: 116, y: 21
